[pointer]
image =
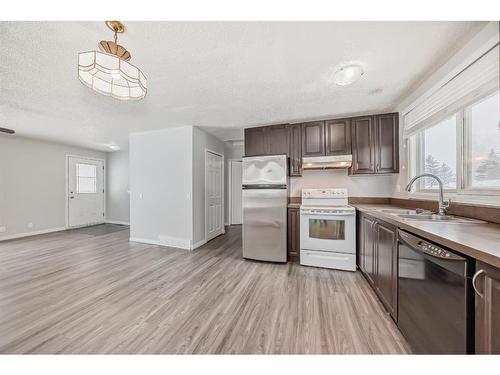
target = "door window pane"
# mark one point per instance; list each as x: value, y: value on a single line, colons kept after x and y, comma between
x: 327, y: 229
x: 485, y: 143
x: 86, y: 178
x: 440, y: 154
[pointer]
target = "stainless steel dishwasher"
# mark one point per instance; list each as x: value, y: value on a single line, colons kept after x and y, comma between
x: 435, y: 297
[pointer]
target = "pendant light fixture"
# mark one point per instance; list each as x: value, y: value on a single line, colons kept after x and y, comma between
x: 109, y: 72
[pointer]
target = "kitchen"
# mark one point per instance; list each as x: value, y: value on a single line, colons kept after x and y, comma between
x: 434, y: 265
x: 297, y: 194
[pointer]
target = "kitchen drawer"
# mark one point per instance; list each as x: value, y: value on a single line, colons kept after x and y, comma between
x: 328, y: 259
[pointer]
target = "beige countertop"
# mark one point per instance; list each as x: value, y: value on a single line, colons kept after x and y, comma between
x: 480, y: 241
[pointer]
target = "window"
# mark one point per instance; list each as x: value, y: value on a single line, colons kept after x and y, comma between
x: 86, y: 178
x: 439, y: 143
x: 463, y: 150
x: 483, y: 153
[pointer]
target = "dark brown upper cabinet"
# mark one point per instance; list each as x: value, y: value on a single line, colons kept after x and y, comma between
x: 387, y: 143
x: 363, y: 145
x: 313, y: 138
x: 266, y: 140
x: 277, y: 140
x: 295, y: 151
x: 338, y: 137
x: 255, y: 141
x: 375, y: 144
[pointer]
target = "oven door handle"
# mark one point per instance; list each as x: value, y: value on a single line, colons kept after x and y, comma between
x: 326, y: 214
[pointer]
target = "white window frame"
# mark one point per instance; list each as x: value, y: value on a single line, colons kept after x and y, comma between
x: 464, y: 191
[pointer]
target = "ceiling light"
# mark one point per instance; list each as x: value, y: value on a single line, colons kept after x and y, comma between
x: 347, y: 74
x: 109, y: 72
x: 114, y: 147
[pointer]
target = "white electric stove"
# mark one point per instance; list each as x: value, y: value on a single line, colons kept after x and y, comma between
x: 327, y: 229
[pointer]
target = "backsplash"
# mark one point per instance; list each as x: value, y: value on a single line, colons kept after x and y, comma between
x: 358, y: 186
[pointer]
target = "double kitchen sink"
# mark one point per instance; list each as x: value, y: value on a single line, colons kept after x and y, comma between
x: 422, y: 215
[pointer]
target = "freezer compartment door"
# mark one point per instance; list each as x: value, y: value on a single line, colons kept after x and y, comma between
x: 265, y: 170
x: 264, y: 224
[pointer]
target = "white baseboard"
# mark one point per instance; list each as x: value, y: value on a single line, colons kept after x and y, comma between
x: 117, y: 222
x: 198, y: 244
x: 170, y: 242
x: 174, y: 242
x: 144, y: 240
x: 29, y: 234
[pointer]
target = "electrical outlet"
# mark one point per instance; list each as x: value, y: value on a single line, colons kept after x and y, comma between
x: 30, y: 225
x: 3, y: 229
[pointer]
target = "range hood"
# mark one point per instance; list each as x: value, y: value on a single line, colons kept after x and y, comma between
x: 327, y: 162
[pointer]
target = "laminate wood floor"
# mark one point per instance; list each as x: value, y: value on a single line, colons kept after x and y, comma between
x: 93, y: 291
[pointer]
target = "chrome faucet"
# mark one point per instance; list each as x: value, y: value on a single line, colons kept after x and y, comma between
x: 443, y: 206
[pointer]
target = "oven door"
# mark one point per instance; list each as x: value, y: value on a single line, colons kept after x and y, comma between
x: 328, y: 232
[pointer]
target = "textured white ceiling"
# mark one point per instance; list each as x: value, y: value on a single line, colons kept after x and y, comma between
x: 221, y: 76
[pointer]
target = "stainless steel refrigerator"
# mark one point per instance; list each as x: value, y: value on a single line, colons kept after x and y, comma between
x: 265, y: 198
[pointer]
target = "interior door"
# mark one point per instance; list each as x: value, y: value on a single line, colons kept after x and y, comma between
x: 213, y: 195
x: 236, y: 202
x: 85, y: 191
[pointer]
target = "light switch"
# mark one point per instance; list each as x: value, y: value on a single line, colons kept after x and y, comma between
x: 141, y: 196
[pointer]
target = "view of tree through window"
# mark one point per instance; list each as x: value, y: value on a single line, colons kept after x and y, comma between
x: 440, y: 153
x: 485, y: 143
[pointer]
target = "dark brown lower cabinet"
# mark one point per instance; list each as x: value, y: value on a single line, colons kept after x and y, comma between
x: 378, y: 259
x: 368, y: 248
x: 387, y: 265
x: 487, y: 286
x: 293, y: 234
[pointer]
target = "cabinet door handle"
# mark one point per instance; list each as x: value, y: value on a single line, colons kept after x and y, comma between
x: 474, y: 278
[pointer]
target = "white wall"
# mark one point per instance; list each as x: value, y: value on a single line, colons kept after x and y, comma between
x: 359, y: 186
x: 117, y: 191
x: 201, y: 142
x: 33, y: 184
x: 232, y: 150
x: 161, y: 170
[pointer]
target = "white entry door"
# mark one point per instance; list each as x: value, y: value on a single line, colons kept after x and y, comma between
x: 236, y: 202
x: 85, y: 191
x: 213, y: 195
